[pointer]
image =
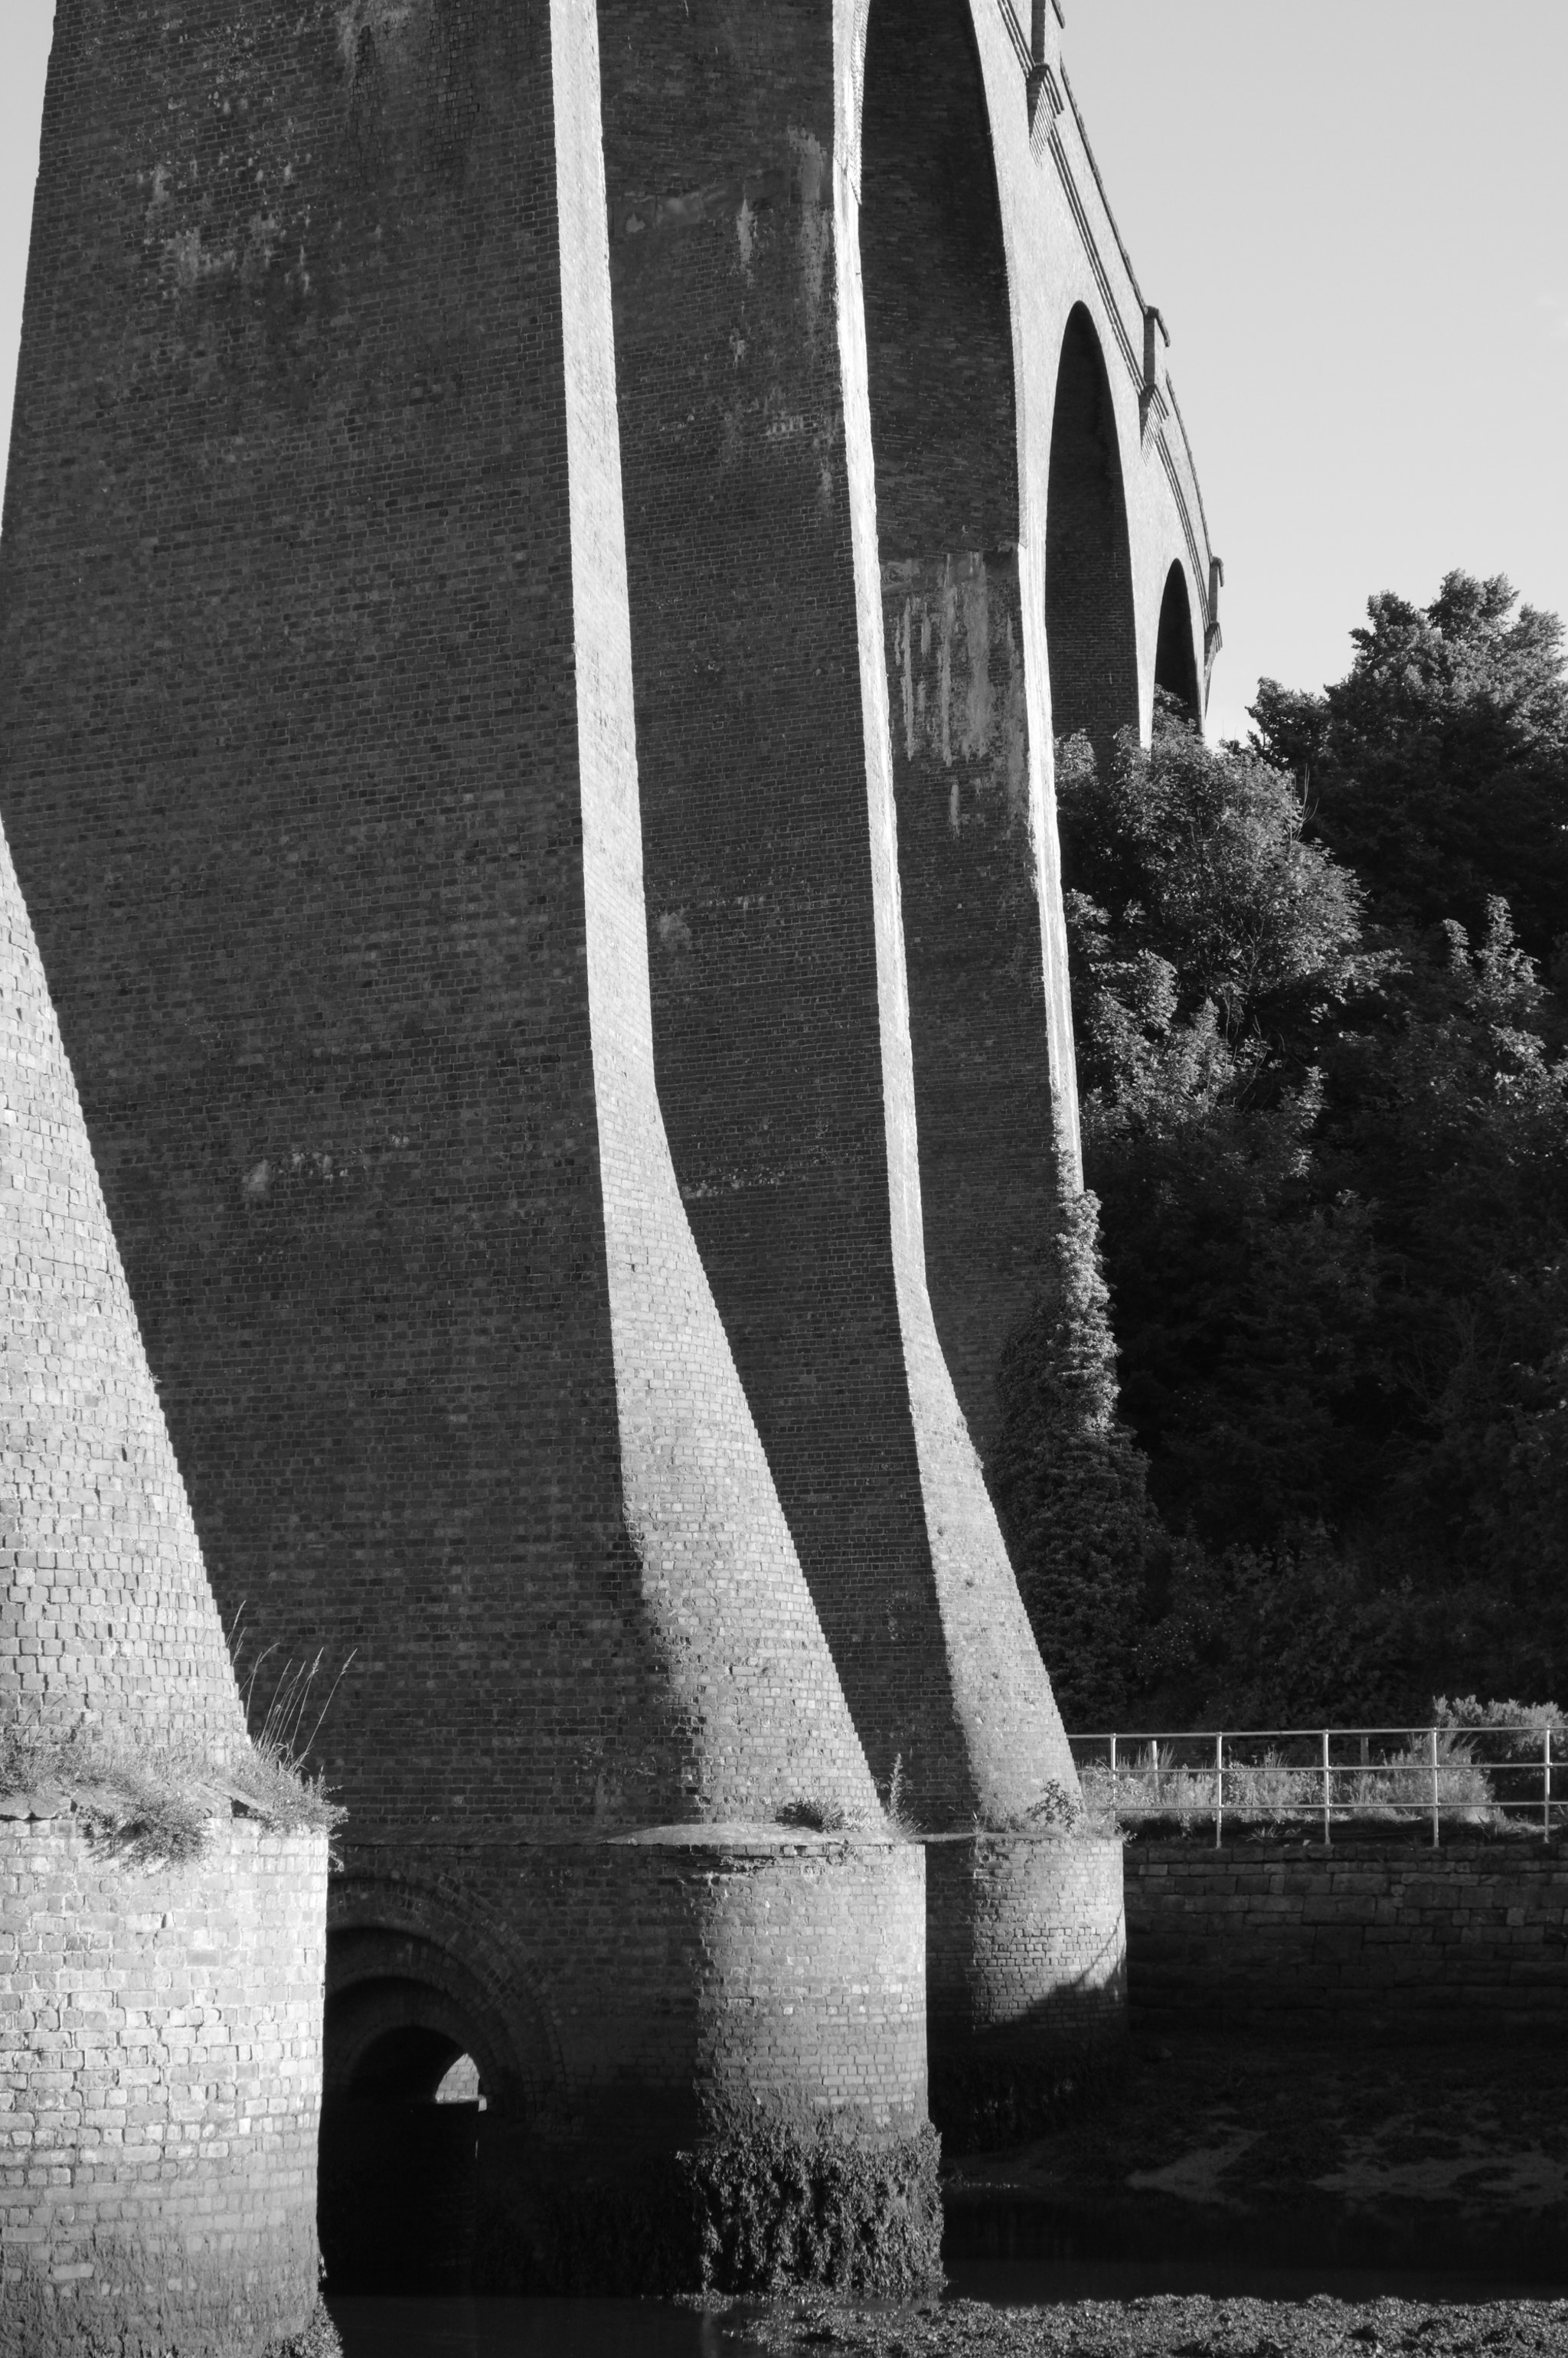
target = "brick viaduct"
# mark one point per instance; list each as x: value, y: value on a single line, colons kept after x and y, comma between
x: 527, y: 752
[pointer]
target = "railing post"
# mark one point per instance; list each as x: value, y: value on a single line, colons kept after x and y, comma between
x: 1436, y: 1837
x: 1327, y: 1803
x: 1218, y: 1785
x: 1546, y: 1784
x: 1113, y: 1778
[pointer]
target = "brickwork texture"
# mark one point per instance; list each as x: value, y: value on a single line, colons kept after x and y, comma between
x: 541, y: 544
x: 107, y: 1609
x: 160, y: 2076
x: 1469, y: 1940
x: 160, y: 2032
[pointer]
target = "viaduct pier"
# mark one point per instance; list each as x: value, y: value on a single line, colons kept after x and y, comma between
x: 546, y: 548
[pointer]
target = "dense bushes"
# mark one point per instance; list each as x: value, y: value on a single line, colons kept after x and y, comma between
x: 1325, y: 1117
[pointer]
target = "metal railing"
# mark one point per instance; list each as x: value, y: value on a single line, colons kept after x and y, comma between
x: 1474, y: 1775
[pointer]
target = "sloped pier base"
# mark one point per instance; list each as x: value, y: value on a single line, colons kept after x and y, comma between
x: 1026, y: 1960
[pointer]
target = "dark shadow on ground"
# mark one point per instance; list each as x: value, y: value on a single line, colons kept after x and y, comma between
x: 1287, y: 2153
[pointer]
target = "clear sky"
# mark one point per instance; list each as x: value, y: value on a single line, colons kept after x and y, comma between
x: 1354, y: 215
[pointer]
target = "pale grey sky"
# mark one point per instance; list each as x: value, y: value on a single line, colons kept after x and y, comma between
x: 1355, y: 217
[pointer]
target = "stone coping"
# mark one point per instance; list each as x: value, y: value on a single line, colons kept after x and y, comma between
x: 761, y: 1837
x: 728, y: 1834
x: 1048, y: 1838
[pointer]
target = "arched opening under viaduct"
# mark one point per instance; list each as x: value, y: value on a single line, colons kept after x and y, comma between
x: 1090, y: 621
x: 945, y: 438
x: 414, y: 2060
x: 1175, y: 654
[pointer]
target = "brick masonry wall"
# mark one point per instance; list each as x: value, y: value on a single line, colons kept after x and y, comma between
x: 1470, y: 1940
x: 645, y: 1990
x: 160, y: 2060
x: 1027, y: 1939
x: 320, y: 780
x: 944, y: 430
x: 771, y: 895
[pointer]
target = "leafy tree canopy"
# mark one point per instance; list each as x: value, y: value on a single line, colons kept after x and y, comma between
x: 1437, y: 768
x: 1326, y: 1116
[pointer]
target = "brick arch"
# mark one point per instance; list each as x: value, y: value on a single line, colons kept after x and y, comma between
x: 938, y: 303
x: 411, y: 1955
x: 1090, y: 622
x: 381, y: 1985
x: 1175, y: 649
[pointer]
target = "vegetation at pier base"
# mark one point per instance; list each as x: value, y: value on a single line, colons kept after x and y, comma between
x: 317, y: 2340
x: 153, y: 1808
x: 1290, y: 1440
x: 755, y: 2212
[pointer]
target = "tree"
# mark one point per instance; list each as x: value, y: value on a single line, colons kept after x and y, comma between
x: 1437, y: 769
x: 1211, y: 947
x: 1332, y: 1162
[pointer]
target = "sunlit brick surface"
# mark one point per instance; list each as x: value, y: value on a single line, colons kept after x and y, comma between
x: 160, y: 2076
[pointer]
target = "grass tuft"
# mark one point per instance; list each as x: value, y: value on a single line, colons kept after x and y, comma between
x: 149, y: 1806
x: 818, y: 1816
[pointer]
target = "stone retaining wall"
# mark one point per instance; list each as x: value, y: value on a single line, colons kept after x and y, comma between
x: 1389, y: 1942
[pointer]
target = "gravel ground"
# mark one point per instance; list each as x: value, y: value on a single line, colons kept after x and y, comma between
x: 1166, y: 2326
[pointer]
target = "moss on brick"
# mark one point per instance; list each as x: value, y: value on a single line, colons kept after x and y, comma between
x: 751, y: 2212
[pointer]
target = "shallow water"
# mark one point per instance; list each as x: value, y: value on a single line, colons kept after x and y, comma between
x: 378, y: 2328
x: 1031, y: 2284
x: 375, y: 2328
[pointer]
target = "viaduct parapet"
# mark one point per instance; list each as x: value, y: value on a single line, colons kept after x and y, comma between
x: 545, y: 547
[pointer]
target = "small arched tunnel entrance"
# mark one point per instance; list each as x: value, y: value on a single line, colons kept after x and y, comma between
x: 1175, y: 654
x: 413, y: 2067
x: 1090, y: 620
x: 945, y: 442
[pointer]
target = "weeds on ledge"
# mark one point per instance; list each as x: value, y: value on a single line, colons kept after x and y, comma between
x: 896, y: 1805
x: 816, y: 1816
x: 154, y: 1807
x: 824, y: 1817
x: 1072, y: 1816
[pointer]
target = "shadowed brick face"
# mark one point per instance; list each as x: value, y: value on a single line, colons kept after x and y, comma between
x: 772, y: 900
x: 476, y: 773
x: 317, y: 956
x: 1468, y: 1941
x: 759, y: 870
x: 944, y: 423
x: 324, y: 769
x: 1175, y: 666
x: 1089, y: 615
x: 296, y: 771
